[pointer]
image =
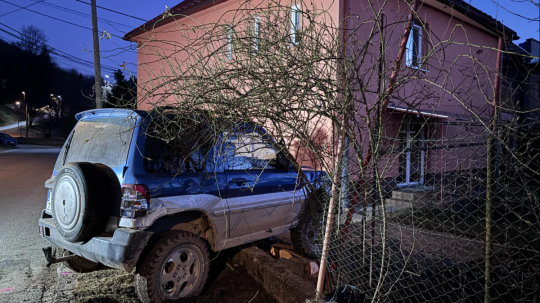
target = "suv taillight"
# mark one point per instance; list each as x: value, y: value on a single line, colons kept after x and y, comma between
x: 135, y: 200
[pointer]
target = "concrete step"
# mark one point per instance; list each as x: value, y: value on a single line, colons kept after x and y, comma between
x: 398, y: 203
x: 414, y: 195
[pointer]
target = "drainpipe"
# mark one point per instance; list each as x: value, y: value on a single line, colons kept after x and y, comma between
x: 490, y: 176
x: 401, y: 52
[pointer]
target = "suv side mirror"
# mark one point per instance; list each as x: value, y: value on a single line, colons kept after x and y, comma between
x: 280, y: 163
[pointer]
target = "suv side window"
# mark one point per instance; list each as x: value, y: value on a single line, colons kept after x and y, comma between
x: 170, y: 157
x: 183, y: 151
x: 248, y: 151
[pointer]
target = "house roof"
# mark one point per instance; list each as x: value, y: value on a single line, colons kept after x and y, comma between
x: 188, y: 7
x: 480, y: 17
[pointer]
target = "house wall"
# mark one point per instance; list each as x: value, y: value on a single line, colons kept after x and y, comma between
x: 161, y: 55
x: 159, y: 52
x: 458, y: 80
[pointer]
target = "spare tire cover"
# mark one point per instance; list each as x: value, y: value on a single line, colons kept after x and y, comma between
x: 79, y: 203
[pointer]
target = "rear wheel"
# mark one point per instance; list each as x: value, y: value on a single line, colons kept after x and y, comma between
x: 176, y: 267
x: 80, y: 201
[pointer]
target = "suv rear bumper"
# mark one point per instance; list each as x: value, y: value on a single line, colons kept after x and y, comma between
x: 121, y: 251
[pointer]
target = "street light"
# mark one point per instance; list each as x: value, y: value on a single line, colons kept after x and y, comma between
x: 18, y: 114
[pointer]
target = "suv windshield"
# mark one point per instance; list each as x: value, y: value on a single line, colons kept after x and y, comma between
x: 101, y: 140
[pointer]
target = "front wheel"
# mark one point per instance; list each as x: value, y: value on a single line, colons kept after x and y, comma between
x: 306, y: 238
x: 176, y: 267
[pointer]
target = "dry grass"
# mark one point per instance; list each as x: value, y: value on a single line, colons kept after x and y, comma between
x: 106, y: 286
x: 7, y: 115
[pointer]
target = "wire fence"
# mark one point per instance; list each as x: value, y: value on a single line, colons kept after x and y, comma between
x: 447, y: 211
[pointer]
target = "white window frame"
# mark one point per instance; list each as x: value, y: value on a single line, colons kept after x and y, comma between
x: 257, y: 33
x: 295, y: 22
x: 410, y: 41
x: 230, y: 43
x: 407, y: 181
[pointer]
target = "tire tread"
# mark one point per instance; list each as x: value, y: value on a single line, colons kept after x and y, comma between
x: 145, y: 280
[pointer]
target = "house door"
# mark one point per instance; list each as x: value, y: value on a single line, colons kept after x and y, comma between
x: 411, y: 168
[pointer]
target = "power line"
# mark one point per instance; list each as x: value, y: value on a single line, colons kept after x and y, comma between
x: 62, y: 54
x: 81, y: 14
x: 74, y: 66
x: 20, y: 8
x: 108, y: 9
x: 74, y: 24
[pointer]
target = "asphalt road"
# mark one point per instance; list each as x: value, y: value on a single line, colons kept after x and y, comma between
x: 23, y: 171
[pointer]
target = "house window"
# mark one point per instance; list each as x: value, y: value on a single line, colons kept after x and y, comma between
x: 257, y: 33
x: 230, y: 43
x: 295, y: 24
x: 414, y: 47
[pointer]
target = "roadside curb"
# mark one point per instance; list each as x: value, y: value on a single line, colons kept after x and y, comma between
x: 282, y: 279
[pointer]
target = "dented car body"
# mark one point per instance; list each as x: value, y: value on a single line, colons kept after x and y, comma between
x: 229, y: 199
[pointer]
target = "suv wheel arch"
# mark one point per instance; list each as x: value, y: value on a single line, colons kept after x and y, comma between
x: 195, y: 222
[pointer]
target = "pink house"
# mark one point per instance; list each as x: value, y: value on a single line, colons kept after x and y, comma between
x: 449, y: 59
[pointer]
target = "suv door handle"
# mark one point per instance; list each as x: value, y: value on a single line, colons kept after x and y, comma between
x: 238, y: 181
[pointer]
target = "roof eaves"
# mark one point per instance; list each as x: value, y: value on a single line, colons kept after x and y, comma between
x: 480, y: 17
x: 185, y: 8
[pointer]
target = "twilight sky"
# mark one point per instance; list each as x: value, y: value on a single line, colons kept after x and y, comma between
x: 75, y: 38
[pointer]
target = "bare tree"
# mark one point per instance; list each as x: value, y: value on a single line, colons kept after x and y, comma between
x: 395, y: 227
x: 33, y: 40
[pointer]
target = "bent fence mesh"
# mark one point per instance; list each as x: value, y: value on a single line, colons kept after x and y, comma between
x: 426, y: 220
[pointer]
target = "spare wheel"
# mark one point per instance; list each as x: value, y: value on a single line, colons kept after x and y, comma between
x: 79, y: 201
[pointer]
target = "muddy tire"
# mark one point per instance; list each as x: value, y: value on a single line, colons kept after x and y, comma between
x: 305, y: 237
x: 79, y: 265
x: 80, y: 202
x: 176, y: 267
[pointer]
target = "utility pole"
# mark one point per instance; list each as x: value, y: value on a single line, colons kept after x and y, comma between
x: 97, y: 63
x: 26, y: 116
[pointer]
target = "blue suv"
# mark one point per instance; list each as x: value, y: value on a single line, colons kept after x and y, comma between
x: 131, y: 189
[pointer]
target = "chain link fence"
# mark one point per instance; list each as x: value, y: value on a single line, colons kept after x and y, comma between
x: 446, y: 211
